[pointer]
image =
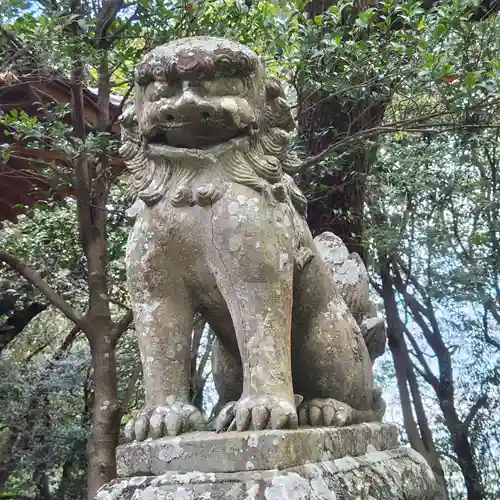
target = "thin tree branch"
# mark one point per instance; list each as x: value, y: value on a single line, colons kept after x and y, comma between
x: 481, y: 402
x: 129, y: 391
x: 450, y: 456
x: 67, y: 342
x: 112, y: 37
x: 52, y: 296
x: 119, y: 110
x: 206, y: 354
x: 490, y: 306
x: 105, y: 19
x: 376, y: 287
x: 121, y: 326
x: 427, y: 374
x: 431, y: 333
x: 399, y: 126
x: 419, y: 371
x: 31, y: 354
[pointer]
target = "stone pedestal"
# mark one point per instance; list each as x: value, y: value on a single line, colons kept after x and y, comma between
x: 357, y: 462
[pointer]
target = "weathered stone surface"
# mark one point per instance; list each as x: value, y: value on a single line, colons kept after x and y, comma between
x: 349, y: 273
x: 399, y: 474
x: 247, y: 451
x: 220, y: 230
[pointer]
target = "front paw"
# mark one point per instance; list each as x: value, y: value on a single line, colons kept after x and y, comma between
x: 257, y: 413
x: 170, y: 420
x: 324, y: 412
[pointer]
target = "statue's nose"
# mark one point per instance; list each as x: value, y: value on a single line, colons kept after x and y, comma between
x: 189, y: 107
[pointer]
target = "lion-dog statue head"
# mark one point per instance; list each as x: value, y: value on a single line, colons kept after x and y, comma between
x: 207, y: 99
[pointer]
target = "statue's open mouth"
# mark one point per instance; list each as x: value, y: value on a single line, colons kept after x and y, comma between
x: 196, y: 136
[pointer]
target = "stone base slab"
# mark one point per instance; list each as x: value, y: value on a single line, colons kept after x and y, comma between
x: 210, y: 452
x: 397, y: 474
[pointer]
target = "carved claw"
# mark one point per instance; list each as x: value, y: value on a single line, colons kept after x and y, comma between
x: 225, y: 417
x: 170, y: 420
x: 257, y: 413
x: 325, y: 412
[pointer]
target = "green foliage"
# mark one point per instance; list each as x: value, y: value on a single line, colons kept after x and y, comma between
x: 45, y: 400
x: 434, y: 75
x: 438, y: 197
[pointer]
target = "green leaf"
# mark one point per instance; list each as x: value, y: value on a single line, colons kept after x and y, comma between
x: 470, y: 80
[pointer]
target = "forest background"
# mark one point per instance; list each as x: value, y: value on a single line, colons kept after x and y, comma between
x: 397, y: 106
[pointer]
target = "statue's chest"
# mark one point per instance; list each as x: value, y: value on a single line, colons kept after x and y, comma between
x: 238, y: 213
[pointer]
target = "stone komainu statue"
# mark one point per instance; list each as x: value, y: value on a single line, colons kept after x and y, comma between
x: 220, y: 230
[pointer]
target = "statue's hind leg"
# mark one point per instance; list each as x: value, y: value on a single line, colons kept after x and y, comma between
x: 331, y: 364
x: 331, y: 412
x: 228, y: 376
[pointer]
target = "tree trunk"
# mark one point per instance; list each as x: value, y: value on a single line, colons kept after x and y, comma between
x: 419, y: 436
x: 42, y: 484
x: 462, y: 448
x: 341, y: 209
x: 105, y: 417
x: 423, y: 313
x: 91, y: 189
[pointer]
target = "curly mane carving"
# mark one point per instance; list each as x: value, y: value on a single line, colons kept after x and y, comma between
x: 261, y: 160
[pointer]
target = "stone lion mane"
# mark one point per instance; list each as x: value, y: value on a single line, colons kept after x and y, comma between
x: 258, y: 161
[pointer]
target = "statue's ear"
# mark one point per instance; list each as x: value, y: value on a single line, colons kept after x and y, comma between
x: 274, y: 89
x: 278, y: 111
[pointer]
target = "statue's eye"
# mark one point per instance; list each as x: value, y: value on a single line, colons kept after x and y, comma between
x: 224, y: 86
x: 160, y: 90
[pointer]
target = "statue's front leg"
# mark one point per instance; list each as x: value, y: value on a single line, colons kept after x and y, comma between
x: 261, y: 315
x: 163, y: 317
x: 254, y: 274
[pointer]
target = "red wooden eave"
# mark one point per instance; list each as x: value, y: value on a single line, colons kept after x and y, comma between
x: 25, y: 179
